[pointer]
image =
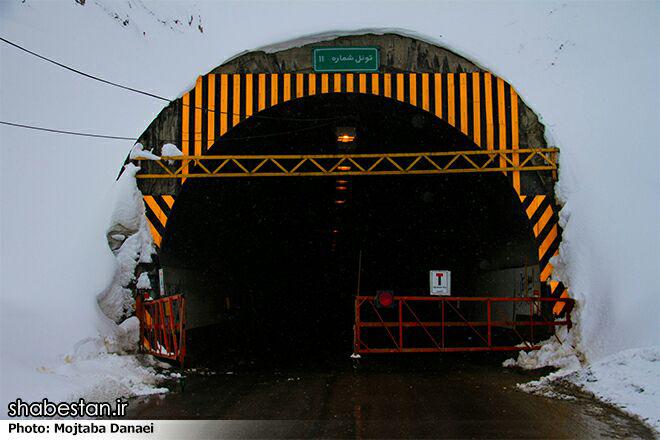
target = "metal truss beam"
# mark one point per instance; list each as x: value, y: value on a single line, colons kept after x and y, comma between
x: 446, y: 162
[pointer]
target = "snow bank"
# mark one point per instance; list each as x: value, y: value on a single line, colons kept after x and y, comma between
x: 629, y: 380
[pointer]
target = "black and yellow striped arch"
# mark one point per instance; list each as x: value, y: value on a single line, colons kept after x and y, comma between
x: 483, y: 107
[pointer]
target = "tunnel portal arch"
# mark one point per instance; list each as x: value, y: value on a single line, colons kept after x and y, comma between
x: 482, y: 106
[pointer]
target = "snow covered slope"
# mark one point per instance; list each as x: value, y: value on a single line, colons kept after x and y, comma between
x: 589, y: 69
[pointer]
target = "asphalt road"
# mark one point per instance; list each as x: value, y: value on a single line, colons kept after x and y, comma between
x: 430, y: 396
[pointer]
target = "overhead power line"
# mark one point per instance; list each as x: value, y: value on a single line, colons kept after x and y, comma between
x: 105, y: 136
x: 74, y: 133
x: 142, y: 92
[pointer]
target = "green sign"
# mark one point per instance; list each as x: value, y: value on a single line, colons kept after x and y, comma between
x: 346, y: 59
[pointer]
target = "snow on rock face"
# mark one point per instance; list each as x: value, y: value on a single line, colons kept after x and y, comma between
x: 117, y: 300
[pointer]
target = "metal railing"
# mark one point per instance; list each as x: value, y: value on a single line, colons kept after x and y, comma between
x: 445, y: 162
x: 441, y: 315
x: 163, y: 326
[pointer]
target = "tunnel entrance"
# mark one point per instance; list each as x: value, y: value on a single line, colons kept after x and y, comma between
x: 270, y: 266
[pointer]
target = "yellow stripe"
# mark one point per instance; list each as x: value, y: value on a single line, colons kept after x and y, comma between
x: 198, y: 117
x: 399, y: 86
x: 514, y: 138
x: 476, y: 105
x: 262, y: 91
x: 312, y: 84
x: 248, y: 95
x: 538, y: 227
x: 287, y: 87
x: 557, y: 309
x: 412, y: 78
x: 363, y: 83
x: 387, y: 80
x: 462, y: 78
x: 324, y: 83
x: 273, y: 89
x: 153, y: 205
x: 451, y: 116
x: 501, y: 114
x: 154, y: 234
x: 185, y: 130
x: 236, y: 117
x: 374, y: 84
x: 337, y: 83
x: 552, y: 236
x: 545, y: 274
x: 169, y: 200
x: 349, y: 83
x: 300, y: 91
x: 489, y: 111
x: 531, y: 209
x: 224, y: 88
x: 522, y: 198
x: 211, y: 113
x: 438, y: 94
x: 425, y: 91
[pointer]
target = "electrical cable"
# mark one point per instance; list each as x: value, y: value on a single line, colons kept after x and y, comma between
x: 142, y: 92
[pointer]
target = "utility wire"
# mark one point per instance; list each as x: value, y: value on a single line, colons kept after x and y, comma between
x: 142, y: 92
x: 104, y: 136
x: 75, y: 133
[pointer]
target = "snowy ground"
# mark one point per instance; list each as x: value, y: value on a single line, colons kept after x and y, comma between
x: 629, y: 380
x: 589, y: 69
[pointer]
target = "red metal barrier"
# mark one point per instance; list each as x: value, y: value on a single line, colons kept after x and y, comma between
x: 163, y: 327
x: 445, y: 314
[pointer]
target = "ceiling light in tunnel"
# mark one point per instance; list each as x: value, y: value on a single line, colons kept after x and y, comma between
x: 345, y: 134
x: 342, y: 188
x: 344, y: 168
x: 340, y: 202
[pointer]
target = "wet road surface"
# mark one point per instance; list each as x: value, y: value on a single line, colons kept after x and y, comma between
x: 448, y: 396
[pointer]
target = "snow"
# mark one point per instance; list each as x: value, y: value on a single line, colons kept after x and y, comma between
x: 143, y: 281
x: 589, y: 70
x: 138, y: 152
x: 629, y: 380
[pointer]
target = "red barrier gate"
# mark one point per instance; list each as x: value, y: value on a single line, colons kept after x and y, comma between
x: 163, y: 327
x: 416, y: 324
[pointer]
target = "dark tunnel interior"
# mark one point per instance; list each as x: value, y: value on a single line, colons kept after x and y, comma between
x: 271, y: 265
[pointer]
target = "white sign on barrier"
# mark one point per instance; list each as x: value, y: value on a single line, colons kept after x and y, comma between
x: 440, y: 282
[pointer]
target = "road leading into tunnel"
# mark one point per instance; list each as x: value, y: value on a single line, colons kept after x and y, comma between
x: 444, y: 396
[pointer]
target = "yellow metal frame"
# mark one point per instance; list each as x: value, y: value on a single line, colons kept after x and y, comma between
x: 446, y: 162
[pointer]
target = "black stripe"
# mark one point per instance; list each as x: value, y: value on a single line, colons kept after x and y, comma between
x: 445, y: 97
x: 507, y: 105
x: 526, y: 202
x: 550, y: 252
x: 420, y: 90
x: 268, y: 90
x: 482, y: 110
x: 218, y: 110
x: 548, y: 227
x: 496, y: 118
x: 539, y: 212
x: 230, y: 101
x: 470, y: 106
x: 154, y: 221
x: 280, y: 88
x: 191, y: 122
x: 432, y: 93
x: 255, y: 94
x: 205, y: 105
x: 162, y: 205
x: 243, y: 96
x: 369, y: 83
x: 406, y: 88
x: 381, y: 84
